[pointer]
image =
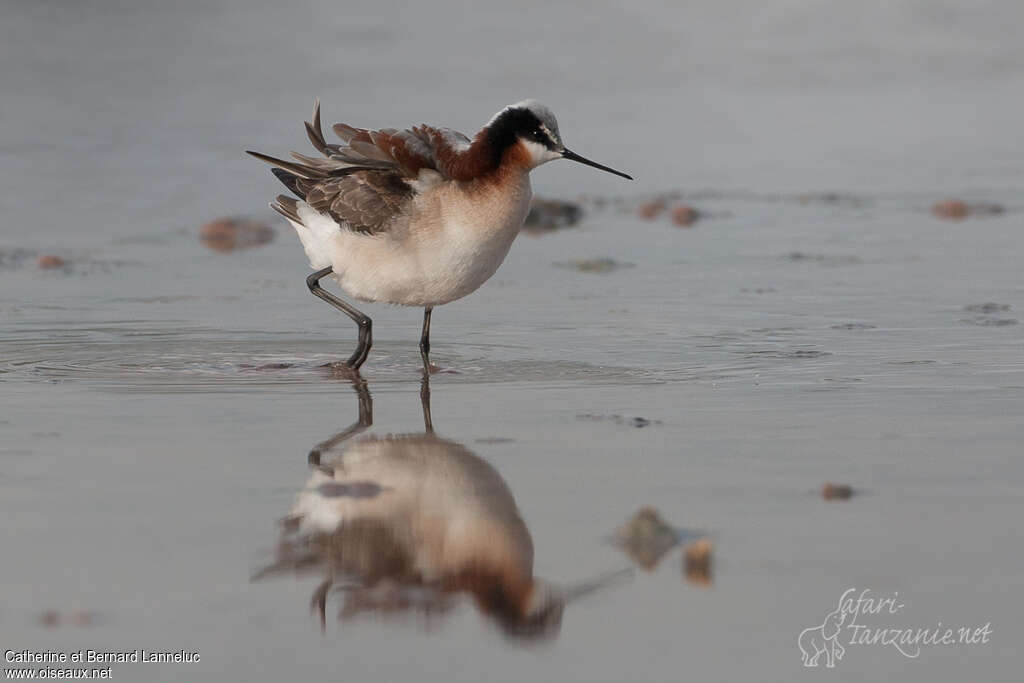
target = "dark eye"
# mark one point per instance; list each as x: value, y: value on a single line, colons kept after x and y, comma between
x: 538, y: 135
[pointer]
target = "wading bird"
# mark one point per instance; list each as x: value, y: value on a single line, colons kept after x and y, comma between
x: 417, y: 217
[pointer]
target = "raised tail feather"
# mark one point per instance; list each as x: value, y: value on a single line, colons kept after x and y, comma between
x: 338, y: 161
x: 287, y: 207
x: 289, y: 180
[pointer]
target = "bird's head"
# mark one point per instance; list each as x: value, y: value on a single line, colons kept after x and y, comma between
x: 533, y: 125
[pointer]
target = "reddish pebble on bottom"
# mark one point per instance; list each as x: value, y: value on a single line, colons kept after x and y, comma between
x: 836, y: 491
x: 684, y: 215
x: 50, y: 261
x: 650, y: 210
x: 950, y: 209
x: 229, y: 234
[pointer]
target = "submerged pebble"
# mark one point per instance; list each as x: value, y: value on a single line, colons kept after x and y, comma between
x: 958, y: 209
x: 986, y: 317
x: 830, y: 198
x: 650, y: 210
x: 836, y: 491
x: 988, y: 321
x: 950, y: 209
x: 230, y: 234
x: 15, y: 258
x: 490, y: 440
x: 646, y: 538
x: 697, y: 562
x: 824, y: 259
x: 53, y: 619
x: 987, y: 209
x: 595, y: 265
x: 638, y: 422
x: 685, y: 215
x: 69, y: 263
x: 50, y: 262
x: 547, y: 215
x: 988, y: 307
x: 853, y: 326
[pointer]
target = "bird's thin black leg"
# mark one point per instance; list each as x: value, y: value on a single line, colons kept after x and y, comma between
x: 425, y: 339
x: 358, y: 357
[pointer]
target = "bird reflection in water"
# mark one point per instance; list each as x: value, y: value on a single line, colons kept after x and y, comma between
x: 407, y: 524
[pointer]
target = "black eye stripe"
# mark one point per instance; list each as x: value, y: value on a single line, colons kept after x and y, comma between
x: 516, y: 124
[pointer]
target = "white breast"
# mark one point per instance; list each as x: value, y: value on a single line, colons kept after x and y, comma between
x: 478, y: 231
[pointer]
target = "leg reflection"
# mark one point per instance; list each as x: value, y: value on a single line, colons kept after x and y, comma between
x: 428, y: 422
x: 365, y: 420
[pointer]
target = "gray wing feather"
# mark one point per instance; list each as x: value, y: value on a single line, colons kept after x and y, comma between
x: 368, y: 202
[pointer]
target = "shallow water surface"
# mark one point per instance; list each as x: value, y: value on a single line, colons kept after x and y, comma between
x: 159, y: 401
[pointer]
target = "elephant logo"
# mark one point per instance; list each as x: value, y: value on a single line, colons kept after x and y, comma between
x: 823, y: 639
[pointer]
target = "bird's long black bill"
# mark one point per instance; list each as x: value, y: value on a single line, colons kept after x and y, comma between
x: 573, y: 156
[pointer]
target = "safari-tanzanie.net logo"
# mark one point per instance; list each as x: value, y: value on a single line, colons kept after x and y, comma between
x: 862, y: 619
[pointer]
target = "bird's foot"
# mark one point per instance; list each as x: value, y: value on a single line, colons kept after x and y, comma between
x: 342, y: 370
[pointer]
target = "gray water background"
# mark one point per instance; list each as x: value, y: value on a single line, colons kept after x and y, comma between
x: 785, y: 341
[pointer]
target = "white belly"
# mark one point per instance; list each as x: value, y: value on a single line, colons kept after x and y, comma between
x: 431, y: 263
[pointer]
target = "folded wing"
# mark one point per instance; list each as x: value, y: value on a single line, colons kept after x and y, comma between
x: 365, y: 183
